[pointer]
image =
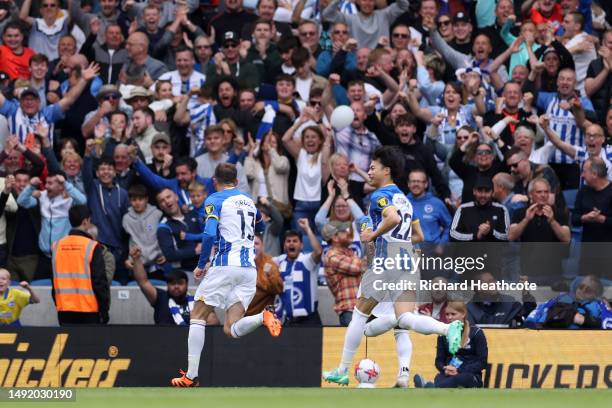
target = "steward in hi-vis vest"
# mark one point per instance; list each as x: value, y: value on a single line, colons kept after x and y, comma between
x: 80, y: 287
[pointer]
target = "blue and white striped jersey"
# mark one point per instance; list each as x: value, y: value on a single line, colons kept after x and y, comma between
x: 22, y: 125
x: 563, y: 122
x: 390, y: 198
x: 236, y: 215
x: 180, y: 87
x: 299, y: 297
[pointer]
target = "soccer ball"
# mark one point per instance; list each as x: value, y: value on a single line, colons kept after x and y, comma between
x: 367, y: 373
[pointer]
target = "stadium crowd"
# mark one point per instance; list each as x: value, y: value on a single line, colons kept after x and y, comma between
x: 123, y: 110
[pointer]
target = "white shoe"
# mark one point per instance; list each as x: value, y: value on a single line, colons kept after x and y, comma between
x: 402, y: 382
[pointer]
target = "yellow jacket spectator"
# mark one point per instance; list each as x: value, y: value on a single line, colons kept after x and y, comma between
x: 13, y: 301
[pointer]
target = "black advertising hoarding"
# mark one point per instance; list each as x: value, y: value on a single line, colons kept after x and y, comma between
x: 149, y: 356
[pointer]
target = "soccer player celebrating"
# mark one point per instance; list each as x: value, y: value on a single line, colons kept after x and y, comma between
x: 230, y: 282
x: 392, y: 225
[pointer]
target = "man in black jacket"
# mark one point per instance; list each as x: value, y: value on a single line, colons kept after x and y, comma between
x: 593, y: 211
x: 22, y: 247
x: 481, y: 220
x: 418, y: 156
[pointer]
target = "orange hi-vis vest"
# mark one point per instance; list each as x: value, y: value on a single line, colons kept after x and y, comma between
x: 71, y: 260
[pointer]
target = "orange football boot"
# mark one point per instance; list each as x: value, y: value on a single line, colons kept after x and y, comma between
x: 271, y: 322
x: 184, y: 381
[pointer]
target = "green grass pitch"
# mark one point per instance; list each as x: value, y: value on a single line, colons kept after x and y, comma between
x: 333, y: 398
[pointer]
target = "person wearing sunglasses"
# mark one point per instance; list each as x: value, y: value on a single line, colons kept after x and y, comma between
x: 400, y: 37
x: 202, y: 47
x: 228, y: 63
x: 342, y: 56
x: 445, y: 27
x: 309, y: 34
x: 369, y: 24
x: 45, y: 31
x: 108, y: 99
x: 523, y: 171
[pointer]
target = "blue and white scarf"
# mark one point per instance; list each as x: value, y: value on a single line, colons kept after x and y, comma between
x: 270, y: 109
x: 176, y: 310
x: 202, y: 116
x: 348, y: 7
x: 21, y: 124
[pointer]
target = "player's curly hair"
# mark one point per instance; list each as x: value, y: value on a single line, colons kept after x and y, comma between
x: 391, y: 157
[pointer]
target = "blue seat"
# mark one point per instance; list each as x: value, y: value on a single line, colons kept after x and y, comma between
x: 41, y: 282
x: 570, y: 198
x: 116, y: 283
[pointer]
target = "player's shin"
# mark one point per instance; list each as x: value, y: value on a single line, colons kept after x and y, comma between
x: 195, y: 344
x: 403, y: 345
x: 246, y: 325
x: 380, y: 325
x: 421, y: 324
x: 352, y: 339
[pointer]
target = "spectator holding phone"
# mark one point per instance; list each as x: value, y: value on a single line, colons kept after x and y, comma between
x: 463, y: 369
x: 540, y: 222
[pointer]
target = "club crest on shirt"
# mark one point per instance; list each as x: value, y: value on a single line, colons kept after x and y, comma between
x: 209, y: 209
x: 428, y: 208
x: 382, y: 202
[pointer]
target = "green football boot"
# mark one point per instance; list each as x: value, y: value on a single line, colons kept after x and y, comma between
x: 336, y: 376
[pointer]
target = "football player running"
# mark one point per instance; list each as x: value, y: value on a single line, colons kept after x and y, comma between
x: 392, y: 226
x: 232, y: 220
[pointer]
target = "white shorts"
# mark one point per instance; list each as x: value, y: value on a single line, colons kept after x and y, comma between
x: 223, y: 286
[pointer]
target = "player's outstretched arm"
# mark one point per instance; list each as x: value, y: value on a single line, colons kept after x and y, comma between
x: 312, y: 238
x: 140, y: 275
x: 208, y: 240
